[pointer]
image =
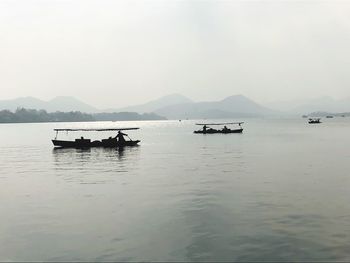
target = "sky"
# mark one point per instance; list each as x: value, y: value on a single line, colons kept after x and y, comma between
x: 112, y: 53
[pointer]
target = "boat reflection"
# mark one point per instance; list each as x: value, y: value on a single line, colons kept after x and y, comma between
x: 94, y: 165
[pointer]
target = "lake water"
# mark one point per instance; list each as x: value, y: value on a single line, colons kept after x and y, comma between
x: 278, y: 192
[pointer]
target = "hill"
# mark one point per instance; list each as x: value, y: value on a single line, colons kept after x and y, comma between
x: 169, y: 100
x: 174, y: 106
x: 230, y: 107
x: 62, y: 103
x: 22, y: 115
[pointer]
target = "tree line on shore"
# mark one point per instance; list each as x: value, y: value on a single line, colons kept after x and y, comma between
x: 22, y: 115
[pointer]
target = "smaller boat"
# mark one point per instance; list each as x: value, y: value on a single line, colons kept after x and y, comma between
x: 314, y: 120
x: 111, y: 142
x: 208, y: 130
x: 304, y: 116
x: 329, y: 116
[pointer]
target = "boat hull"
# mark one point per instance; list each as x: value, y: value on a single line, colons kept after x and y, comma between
x: 88, y: 144
x: 314, y: 122
x: 219, y: 131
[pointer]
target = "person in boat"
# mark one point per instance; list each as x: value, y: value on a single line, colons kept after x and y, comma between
x: 110, y: 138
x: 204, y: 128
x: 120, y: 136
x: 225, y: 129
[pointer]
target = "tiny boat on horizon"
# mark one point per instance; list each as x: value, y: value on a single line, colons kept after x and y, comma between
x: 314, y: 120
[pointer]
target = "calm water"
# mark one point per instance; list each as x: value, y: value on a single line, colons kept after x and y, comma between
x: 279, y: 191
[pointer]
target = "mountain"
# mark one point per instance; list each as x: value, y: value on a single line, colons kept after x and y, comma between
x: 65, y: 103
x: 230, y: 107
x: 173, y: 106
x: 23, y: 102
x: 22, y: 115
x: 173, y: 99
x: 57, y: 104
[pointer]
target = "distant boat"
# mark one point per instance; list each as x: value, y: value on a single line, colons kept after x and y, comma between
x: 329, y: 116
x: 207, y: 130
x: 111, y: 142
x: 304, y: 116
x: 314, y: 120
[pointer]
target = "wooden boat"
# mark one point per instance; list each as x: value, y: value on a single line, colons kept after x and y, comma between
x: 314, y: 120
x: 207, y: 130
x: 111, y: 142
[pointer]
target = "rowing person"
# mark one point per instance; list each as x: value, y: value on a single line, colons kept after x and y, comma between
x: 204, y: 128
x: 120, y: 136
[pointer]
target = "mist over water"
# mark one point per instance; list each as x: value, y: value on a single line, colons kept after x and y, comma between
x: 279, y: 191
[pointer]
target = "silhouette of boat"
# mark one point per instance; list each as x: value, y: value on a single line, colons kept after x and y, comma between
x: 207, y: 130
x: 87, y: 143
x: 314, y: 120
x: 329, y: 116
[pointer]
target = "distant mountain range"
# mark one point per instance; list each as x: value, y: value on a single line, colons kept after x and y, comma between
x: 22, y: 115
x: 173, y: 106
x: 230, y: 107
x: 154, y: 105
x: 177, y: 106
x: 62, y: 103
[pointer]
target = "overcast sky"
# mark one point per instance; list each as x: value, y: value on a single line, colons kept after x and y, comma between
x: 116, y: 53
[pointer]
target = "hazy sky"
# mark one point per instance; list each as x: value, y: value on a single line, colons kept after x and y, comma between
x: 116, y: 53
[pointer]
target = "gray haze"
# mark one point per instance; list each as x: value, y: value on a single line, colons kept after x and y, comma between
x: 120, y: 53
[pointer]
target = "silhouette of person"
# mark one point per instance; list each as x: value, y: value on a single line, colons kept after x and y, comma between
x: 120, y: 136
x: 205, y: 128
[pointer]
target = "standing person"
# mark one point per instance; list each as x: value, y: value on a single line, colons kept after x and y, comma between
x: 204, y: 128
x: 120, y: 137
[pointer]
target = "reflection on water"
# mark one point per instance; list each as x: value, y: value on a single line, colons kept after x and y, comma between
x: 94, y: 165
